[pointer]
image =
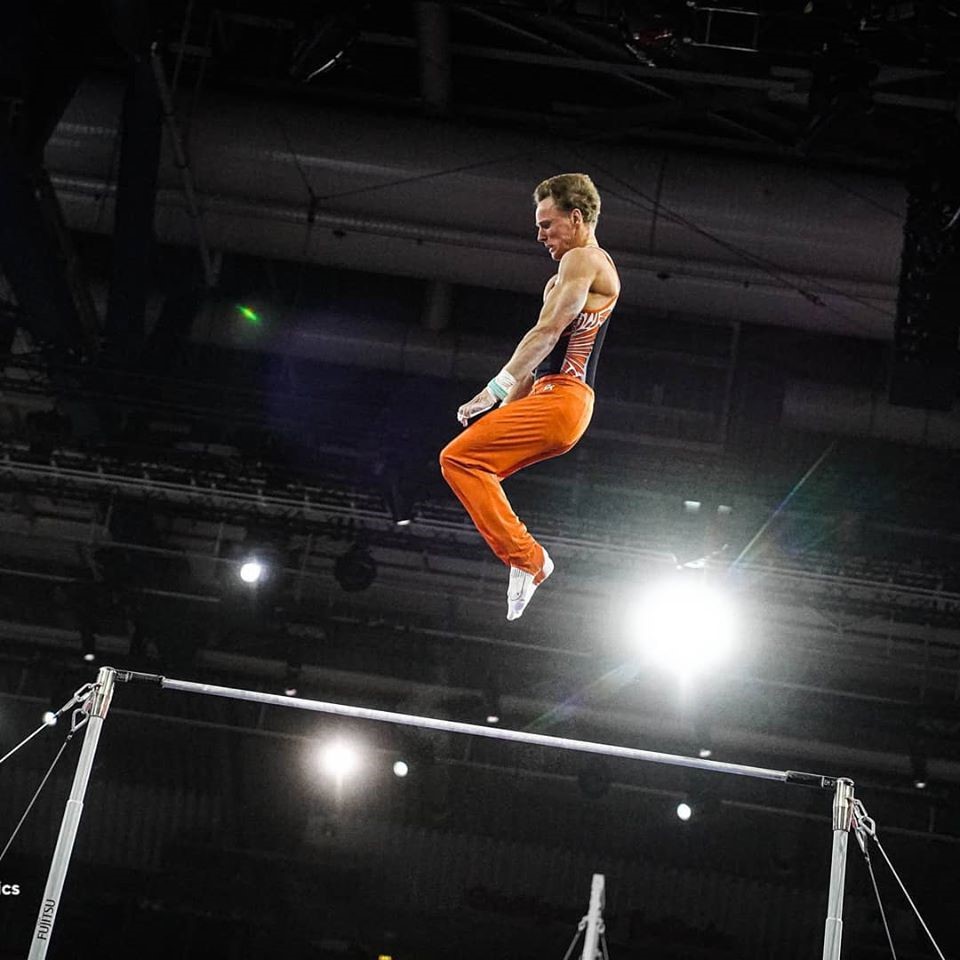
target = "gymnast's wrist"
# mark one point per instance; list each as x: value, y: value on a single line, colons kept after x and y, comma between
x: 502, y: 384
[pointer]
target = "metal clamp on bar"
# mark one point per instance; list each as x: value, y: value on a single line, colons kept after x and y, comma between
x: 843, y: 805
x: 132, y: 676
x: 99, y: 702
x: 816, y: 780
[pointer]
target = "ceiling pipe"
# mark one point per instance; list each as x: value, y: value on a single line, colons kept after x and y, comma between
x: 431, y: 350
x: 762, y: 242
x: 471, y: 257
x: 433, y: 38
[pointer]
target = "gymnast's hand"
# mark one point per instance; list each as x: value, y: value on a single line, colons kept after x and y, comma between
x: 484, y: 400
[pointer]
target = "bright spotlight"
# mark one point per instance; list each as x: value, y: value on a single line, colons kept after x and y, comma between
x: 491, y: 703
x: 88, y: 644
x: 918, y: 769
x: 251, y: 571
x: 684, y: 811
x: 291, y: 681
x: 50, y: 718
x: 400, y: 769
x: 705, y: 753
x: 683, y: 625
x: 340, y: 760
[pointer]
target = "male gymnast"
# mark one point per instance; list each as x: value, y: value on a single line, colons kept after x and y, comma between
x: 545, y: 392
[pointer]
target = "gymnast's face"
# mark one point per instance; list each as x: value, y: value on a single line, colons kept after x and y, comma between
x: 556, y: 230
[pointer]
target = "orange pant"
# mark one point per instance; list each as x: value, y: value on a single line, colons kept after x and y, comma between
x: 545, y: 423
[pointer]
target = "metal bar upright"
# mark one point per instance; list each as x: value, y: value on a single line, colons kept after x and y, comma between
x: 591, y: 938
x: 96, y: 707
x: 842, y: 821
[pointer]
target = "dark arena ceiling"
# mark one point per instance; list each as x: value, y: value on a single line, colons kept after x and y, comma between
x: 254, y: 255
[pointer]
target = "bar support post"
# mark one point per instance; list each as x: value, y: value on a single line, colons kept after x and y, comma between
x: 842, y: 821
x: 96, y: 707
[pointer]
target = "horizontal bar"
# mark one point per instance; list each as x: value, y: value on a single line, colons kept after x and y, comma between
x: 493, y: 733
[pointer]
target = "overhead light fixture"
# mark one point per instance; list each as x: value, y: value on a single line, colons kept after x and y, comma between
x: 251, y: 571
x: 395, y: 486
x: 492, y: 711
x: 291, y: 681
x: 702, y: 735
x: 918, y: 769
x: 683, y: 625
x: 699, y: 806
x: 400, y: 768
x: 63, y: 699
x: 88, y: 644
x: 340, y: 759
x: 260, y: 561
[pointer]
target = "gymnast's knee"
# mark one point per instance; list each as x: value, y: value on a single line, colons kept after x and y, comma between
x: 457, y: 455
x: 448, y: 456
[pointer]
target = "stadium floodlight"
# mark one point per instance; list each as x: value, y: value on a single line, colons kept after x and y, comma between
x: 491, y: 704
x: 918, y: 769
x: 683, y: 625
x: 88, y: 644
x: 251, y: 571
x: 340, y: 759
x: 291, y: 680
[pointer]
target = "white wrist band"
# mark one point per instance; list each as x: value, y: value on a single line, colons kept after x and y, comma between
x: 501, y: 384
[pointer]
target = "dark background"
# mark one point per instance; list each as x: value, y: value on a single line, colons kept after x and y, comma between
x: 779, y: 184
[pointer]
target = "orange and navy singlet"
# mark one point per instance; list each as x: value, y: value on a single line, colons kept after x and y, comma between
x: 578, y: 349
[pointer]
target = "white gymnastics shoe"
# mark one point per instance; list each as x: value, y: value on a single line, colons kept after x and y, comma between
x: 522, y: 586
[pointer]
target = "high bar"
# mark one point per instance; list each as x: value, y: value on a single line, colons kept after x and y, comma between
x: 476, y: 730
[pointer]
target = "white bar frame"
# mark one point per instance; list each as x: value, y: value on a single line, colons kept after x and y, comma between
x: 97, y: 706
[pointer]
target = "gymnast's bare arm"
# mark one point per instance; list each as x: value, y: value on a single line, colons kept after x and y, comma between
x: 564, y: 298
